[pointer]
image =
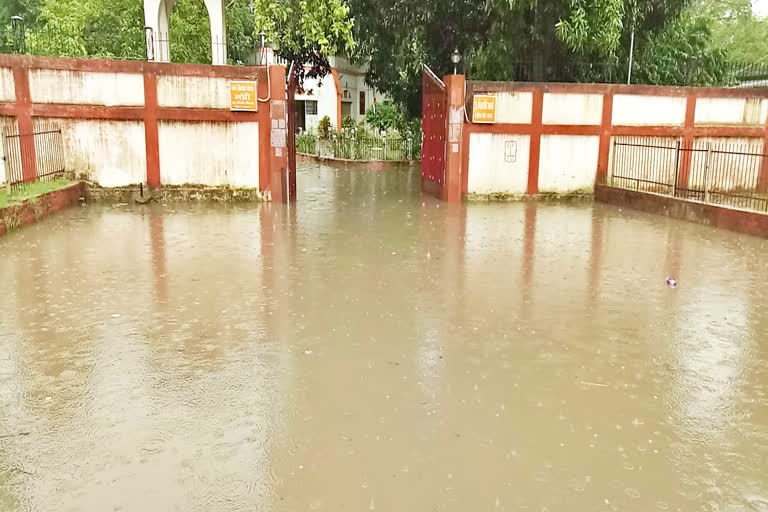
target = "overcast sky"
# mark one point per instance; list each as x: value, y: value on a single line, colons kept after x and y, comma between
x: 760, y: 7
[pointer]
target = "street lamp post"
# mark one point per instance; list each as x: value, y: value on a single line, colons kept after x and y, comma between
x: 19, y: 39
x: 455, y: 58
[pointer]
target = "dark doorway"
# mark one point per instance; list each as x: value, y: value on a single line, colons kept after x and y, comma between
x: 301, y: 118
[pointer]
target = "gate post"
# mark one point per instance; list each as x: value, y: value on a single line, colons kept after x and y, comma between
x: 273, y: 133
x: 291, y: 126
x: 454, y: 89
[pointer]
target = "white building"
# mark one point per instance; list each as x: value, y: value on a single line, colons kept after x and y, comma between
x: 342, y: 93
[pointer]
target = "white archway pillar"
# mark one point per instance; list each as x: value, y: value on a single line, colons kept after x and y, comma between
x: 218, y: 31
x: 156, y: 14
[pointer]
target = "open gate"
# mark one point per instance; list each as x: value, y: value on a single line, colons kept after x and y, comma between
x: 434, y: 111
x: 290, y: 186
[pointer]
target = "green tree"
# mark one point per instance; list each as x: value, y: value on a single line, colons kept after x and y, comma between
x: 306, y: 31
x: 736, y: 29
x: 96, y: 28
x: 190, y: 32
x: 501, y: 39
x: 384, y: 117
x: 682, y: 54
x: 241, y: 36
x: 115, y: 29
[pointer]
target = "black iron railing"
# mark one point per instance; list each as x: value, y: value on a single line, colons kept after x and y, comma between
x: 358, y: 147
x: 732, y: 174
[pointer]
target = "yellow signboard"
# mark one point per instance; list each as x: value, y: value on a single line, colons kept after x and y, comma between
x: 242, y: 96
x: 484, y: 109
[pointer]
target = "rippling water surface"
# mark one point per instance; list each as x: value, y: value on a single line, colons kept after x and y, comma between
x: 371, y: 349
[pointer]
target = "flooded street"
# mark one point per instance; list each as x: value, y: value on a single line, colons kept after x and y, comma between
x: 371, y: 349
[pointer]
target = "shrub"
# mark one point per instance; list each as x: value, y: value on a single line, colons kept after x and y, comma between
x: 348, y: 123
x: 324, y: 127
x: 384, y: 116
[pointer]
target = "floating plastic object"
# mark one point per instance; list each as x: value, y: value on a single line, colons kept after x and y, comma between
x: 671, y: 282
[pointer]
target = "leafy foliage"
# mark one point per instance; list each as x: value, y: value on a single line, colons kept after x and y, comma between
x: 242, y: 38
x: 97, y: 28
x: 115, y: 29
x: 496, y: 37
x: 682, y: 54
x: 348, y: 123
x: 324, y: 127
x: 592, y: 23
x: 306, y: 32
x: 384, y: 117
x: 25, y: 8
x: 736, y: 29
x: 190, y: 32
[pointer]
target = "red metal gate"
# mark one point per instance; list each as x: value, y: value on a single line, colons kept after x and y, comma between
x: 434, y: 114
x: 291, y: 126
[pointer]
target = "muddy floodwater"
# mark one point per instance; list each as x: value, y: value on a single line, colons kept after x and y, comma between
x: 374, y: 350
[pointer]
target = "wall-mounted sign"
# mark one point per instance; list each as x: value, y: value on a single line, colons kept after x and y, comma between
x: 242, y: 96
x: 484, y: 109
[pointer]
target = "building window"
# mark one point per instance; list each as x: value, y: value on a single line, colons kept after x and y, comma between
x: 362, y: 103
x: 310, y: 108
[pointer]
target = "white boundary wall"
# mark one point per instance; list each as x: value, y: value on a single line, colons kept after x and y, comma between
x: 111, y: 152
x: 571, y: 125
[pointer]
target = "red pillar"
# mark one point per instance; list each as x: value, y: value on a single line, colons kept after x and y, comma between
x: 264, y: 130
x: 291, y: 145
x: 25, y: 124
x: 151, y: 138
x: 278, y: 140
x: 605, y: 139
x: 762, y: 178
x: 685, y: 158
x: 535, y: 146
x: 337, y: 83
x: 454, y: 90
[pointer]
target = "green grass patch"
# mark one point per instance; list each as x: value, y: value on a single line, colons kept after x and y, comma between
x: 31, y: 190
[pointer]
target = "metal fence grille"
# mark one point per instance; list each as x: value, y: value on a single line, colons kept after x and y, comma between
x: 726, y: 174
x: 47, y: 143
x: 159, y: 48
x: 352, y: 147
x: 649, y: 164
x: 723, y: 173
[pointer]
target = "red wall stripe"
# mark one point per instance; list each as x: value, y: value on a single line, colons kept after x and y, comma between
x: 65, y: 111
x: 117, y: 113
x: 207, y: 115
x: 619, y: 130
x: 122, y: 66
x: 642, y: 90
